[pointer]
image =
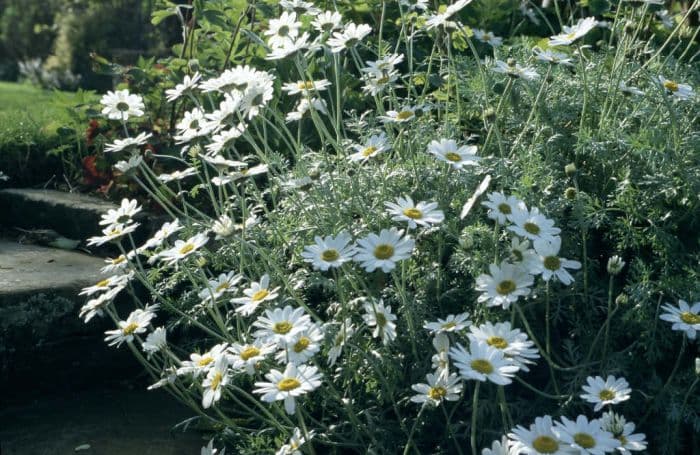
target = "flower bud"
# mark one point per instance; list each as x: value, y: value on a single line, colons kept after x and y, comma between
x: 570, y: 193
x: 697, y: 366
x: 570, y: 169
x: 615, y: 265
x: 622, y: 299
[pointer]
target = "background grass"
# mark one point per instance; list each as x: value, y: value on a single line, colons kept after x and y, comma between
x: 37, y: 127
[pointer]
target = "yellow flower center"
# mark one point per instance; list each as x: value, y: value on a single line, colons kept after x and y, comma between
x: 204, y: 361
x: 552, y: 263
x: 305, y: 85
x: 505, y: 287
x: 223, y: 286
x: 497, y: 342
x: 532, y: 228
x: 302, y: 344
x: 130, y: 328
x: 571, y: 36
x: 413, y: 213
x: 404, y: 115
x: 282, y: 327
x: 383, y: 80
x: 690, y: 318
x: 482, y: 366
x: 606, y: 394
x: 453, y: 156
x: 330, y: 255
x: 384, y: 251
x: 260, y: 295
x: 114, y: 232
x: 287, y: 384
x: 437, y: 393
x: 622, y: 439
x: 584, y: 440
x: 122, y: 106
x: 116, y: 261
x: 545, y: 444
x: 369, y: 151
x: 671, y: 86
x: 504, y: 208
x: 216, y: 380
x: 449, y: 325
x: 187, y: 248
x: 517, y: 254
x: 102, y: 284
x: 249, y: 353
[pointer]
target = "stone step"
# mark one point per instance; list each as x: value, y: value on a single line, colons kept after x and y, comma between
x: 72, y: 215
x: 42, y: 340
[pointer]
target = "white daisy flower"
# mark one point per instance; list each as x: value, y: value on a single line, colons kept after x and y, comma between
x: 539, y: 439
x: 487, y: 37
x: 383, y: 251
x: 296, y: 440
x: 501, y: 447
x: 118, y: 264
x: 215, y: 381
x: 679, y: 91
x: 423, y: 213
x: 247, y: 356
x: 137, y: 322
x: 623, y: 431
x: 119, y: 105
x: 406, y: 114
x: 533, y: 225
x: 221, y: 163
x: 306, y: 88
x: 345, y: 332
x: 685, y: 317
x: 550, y: 264
x: 584, y: 436
x: 223, y: 227
x: 177, y: 175
x: 300, y: 7
x: 381, y: 318
x: 483, y: 363
x: 327, y: 21
x: 291, y: 47
x: 115, y: 281
x: 604, y: 392
x: 504, y: 285
x: 329, y: 252
x: 95, y: 307
x: 255, y: 295
x: 202, y: 363
x: 552, y: 57
x: 522, y: 255
x: 375, y: 145
x: 452, y: 323
x: 282, y: 29
x: 439, y: 387
x: 133, y: 163
x: 304, y: 346
x: 288, y: 385
x: 224, y: 139
x: 442, y: 19
x: 165, y: 231
x: 122, y: 215
x: 192, y: 125
x: 351, y: 35
x: 226, y: 282
x: 155, y: 341
x: 515, y: 345
x: 130, y: 142
x: 303, y: 106
x: 447, y: 150
x: 183, y: 249
x: 571, y: 34
x: 515, y: 70
x: 112, y: 232
x: 189, y: 83
x: 441, y: 359
x: 502, y: 207
x: 210, y: 450
x: 629, y: 89
x: 281, y: 325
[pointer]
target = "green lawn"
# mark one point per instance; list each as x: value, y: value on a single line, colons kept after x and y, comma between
x: 35, y: 123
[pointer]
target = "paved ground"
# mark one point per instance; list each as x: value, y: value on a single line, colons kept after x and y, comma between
x: 112, y: 421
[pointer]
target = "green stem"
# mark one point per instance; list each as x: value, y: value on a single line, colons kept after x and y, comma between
x: 475, y: 414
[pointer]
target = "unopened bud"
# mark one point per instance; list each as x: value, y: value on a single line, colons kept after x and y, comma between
x: 697, y: 366
x: 615, y: 265
x: 570, y: 169
x: 570, y: 193
x: 622, y: 299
